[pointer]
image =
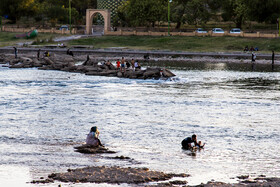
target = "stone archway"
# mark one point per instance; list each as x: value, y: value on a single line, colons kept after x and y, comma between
x: 106, y: 15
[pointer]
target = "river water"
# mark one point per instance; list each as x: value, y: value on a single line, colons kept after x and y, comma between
x: 235, y: 111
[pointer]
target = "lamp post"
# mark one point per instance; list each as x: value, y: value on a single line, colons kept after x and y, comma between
x: 1, y: 22
x: 70, y: 17
x: 169, y: 1
x: 278, y: 25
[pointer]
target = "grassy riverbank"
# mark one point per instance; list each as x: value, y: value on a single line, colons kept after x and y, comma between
x: 180, y: 43
x: 172, y: 43
x: 8, y: 39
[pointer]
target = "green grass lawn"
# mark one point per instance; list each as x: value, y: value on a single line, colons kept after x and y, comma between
x: 8, y: 38
x: 172, y: 43
x: 181, y: 43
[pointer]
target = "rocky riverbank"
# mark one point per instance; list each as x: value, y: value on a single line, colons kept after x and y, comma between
x: 89, y: 66
x: 145, y: 177
x: 113, y: 175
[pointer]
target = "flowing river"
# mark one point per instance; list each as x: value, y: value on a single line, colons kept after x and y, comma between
x: 235, y: 111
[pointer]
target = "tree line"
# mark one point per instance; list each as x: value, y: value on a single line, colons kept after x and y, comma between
x: 198, y: 12
x: 133, y: 13
x: 52, y: 11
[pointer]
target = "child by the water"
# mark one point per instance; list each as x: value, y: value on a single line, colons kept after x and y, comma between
x: 187, y: 143
x: 199, y: 145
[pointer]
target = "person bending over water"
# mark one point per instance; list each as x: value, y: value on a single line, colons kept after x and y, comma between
x: 187, y: 143
x: 92, y: 137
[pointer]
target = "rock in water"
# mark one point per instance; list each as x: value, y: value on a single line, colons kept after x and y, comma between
x: 87, y: 149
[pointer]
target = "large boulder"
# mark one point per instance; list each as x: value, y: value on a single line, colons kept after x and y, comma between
x: 37, y: 63
x: 88, y: 149
x: 152, y: 73
x: 18, y: 65
x: 167, y: 73
x: 90, y: 63
x: 135, y: 74
x: 14, y: 61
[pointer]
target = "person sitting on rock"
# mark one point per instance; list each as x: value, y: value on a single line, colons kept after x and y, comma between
x: 118, y: 64
x: 127, y: 65
x: 46, y: 54
x: 93, y: 137
x: 68, y: 52
x: 137, y: 65
x: 132, y: 64
x: 187, y: 142
x: 108, y: 64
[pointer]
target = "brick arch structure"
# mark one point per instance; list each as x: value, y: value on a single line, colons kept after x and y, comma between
x: 106, y: 15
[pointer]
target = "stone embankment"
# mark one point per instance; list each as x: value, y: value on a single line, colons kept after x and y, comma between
x: 88, y: 67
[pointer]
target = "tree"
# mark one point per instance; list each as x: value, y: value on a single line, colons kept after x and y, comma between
x: 263, y: 11
x: 191, y: 11
x: 15, y: 9
x: 143, y: 13
x: 236, y: 11
x: 179, y: 12
x: 197, y: 12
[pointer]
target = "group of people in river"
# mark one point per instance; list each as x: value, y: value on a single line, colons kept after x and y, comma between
x: 123, y: 64
x: 189, y: 143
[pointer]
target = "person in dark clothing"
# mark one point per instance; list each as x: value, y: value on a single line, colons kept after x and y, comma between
x: 272, y: 59
x: 16, y: 52
x: 246, y: 48
x: 127, y: 65
x: 187, y: 142
x: 38, y: 54
x: 273, y: 56
x: 69, y: 52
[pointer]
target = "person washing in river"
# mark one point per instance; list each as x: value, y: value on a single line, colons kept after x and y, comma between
x: 187, y: 143
x: 93, y: 137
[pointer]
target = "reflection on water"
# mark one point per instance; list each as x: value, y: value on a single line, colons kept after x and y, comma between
x: 208, y: 66
x: 43, y: 114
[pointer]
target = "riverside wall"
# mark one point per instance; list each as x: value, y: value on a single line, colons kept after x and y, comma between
x: 149, y: 33
x: 25, y: 30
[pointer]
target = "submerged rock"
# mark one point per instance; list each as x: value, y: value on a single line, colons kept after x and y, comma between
x: 117, y: 175
x: 87, y: 149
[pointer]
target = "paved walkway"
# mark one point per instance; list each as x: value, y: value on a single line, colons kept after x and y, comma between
x: 122, y: 52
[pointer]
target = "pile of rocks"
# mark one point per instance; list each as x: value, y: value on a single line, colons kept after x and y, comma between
x: 89, y: 67
x: 115, y: 175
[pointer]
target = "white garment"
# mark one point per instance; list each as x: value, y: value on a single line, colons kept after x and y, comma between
x: 92, y: 139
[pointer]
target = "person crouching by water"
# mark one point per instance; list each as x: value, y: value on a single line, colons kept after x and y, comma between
x: 92, y: 137
x: 187, y: 143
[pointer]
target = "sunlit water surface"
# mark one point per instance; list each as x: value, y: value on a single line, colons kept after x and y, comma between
x: 43, y: 114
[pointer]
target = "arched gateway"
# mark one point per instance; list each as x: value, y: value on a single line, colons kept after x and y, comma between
x: 106, y: 15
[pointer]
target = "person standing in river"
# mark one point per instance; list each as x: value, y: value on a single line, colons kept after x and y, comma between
x: 272, y: 59
x: 38, y: 54
x: 273, y: 56
x: 122, y: 65
x: 16, y: 52
x: 254, y: 56
x: 118, y: 64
